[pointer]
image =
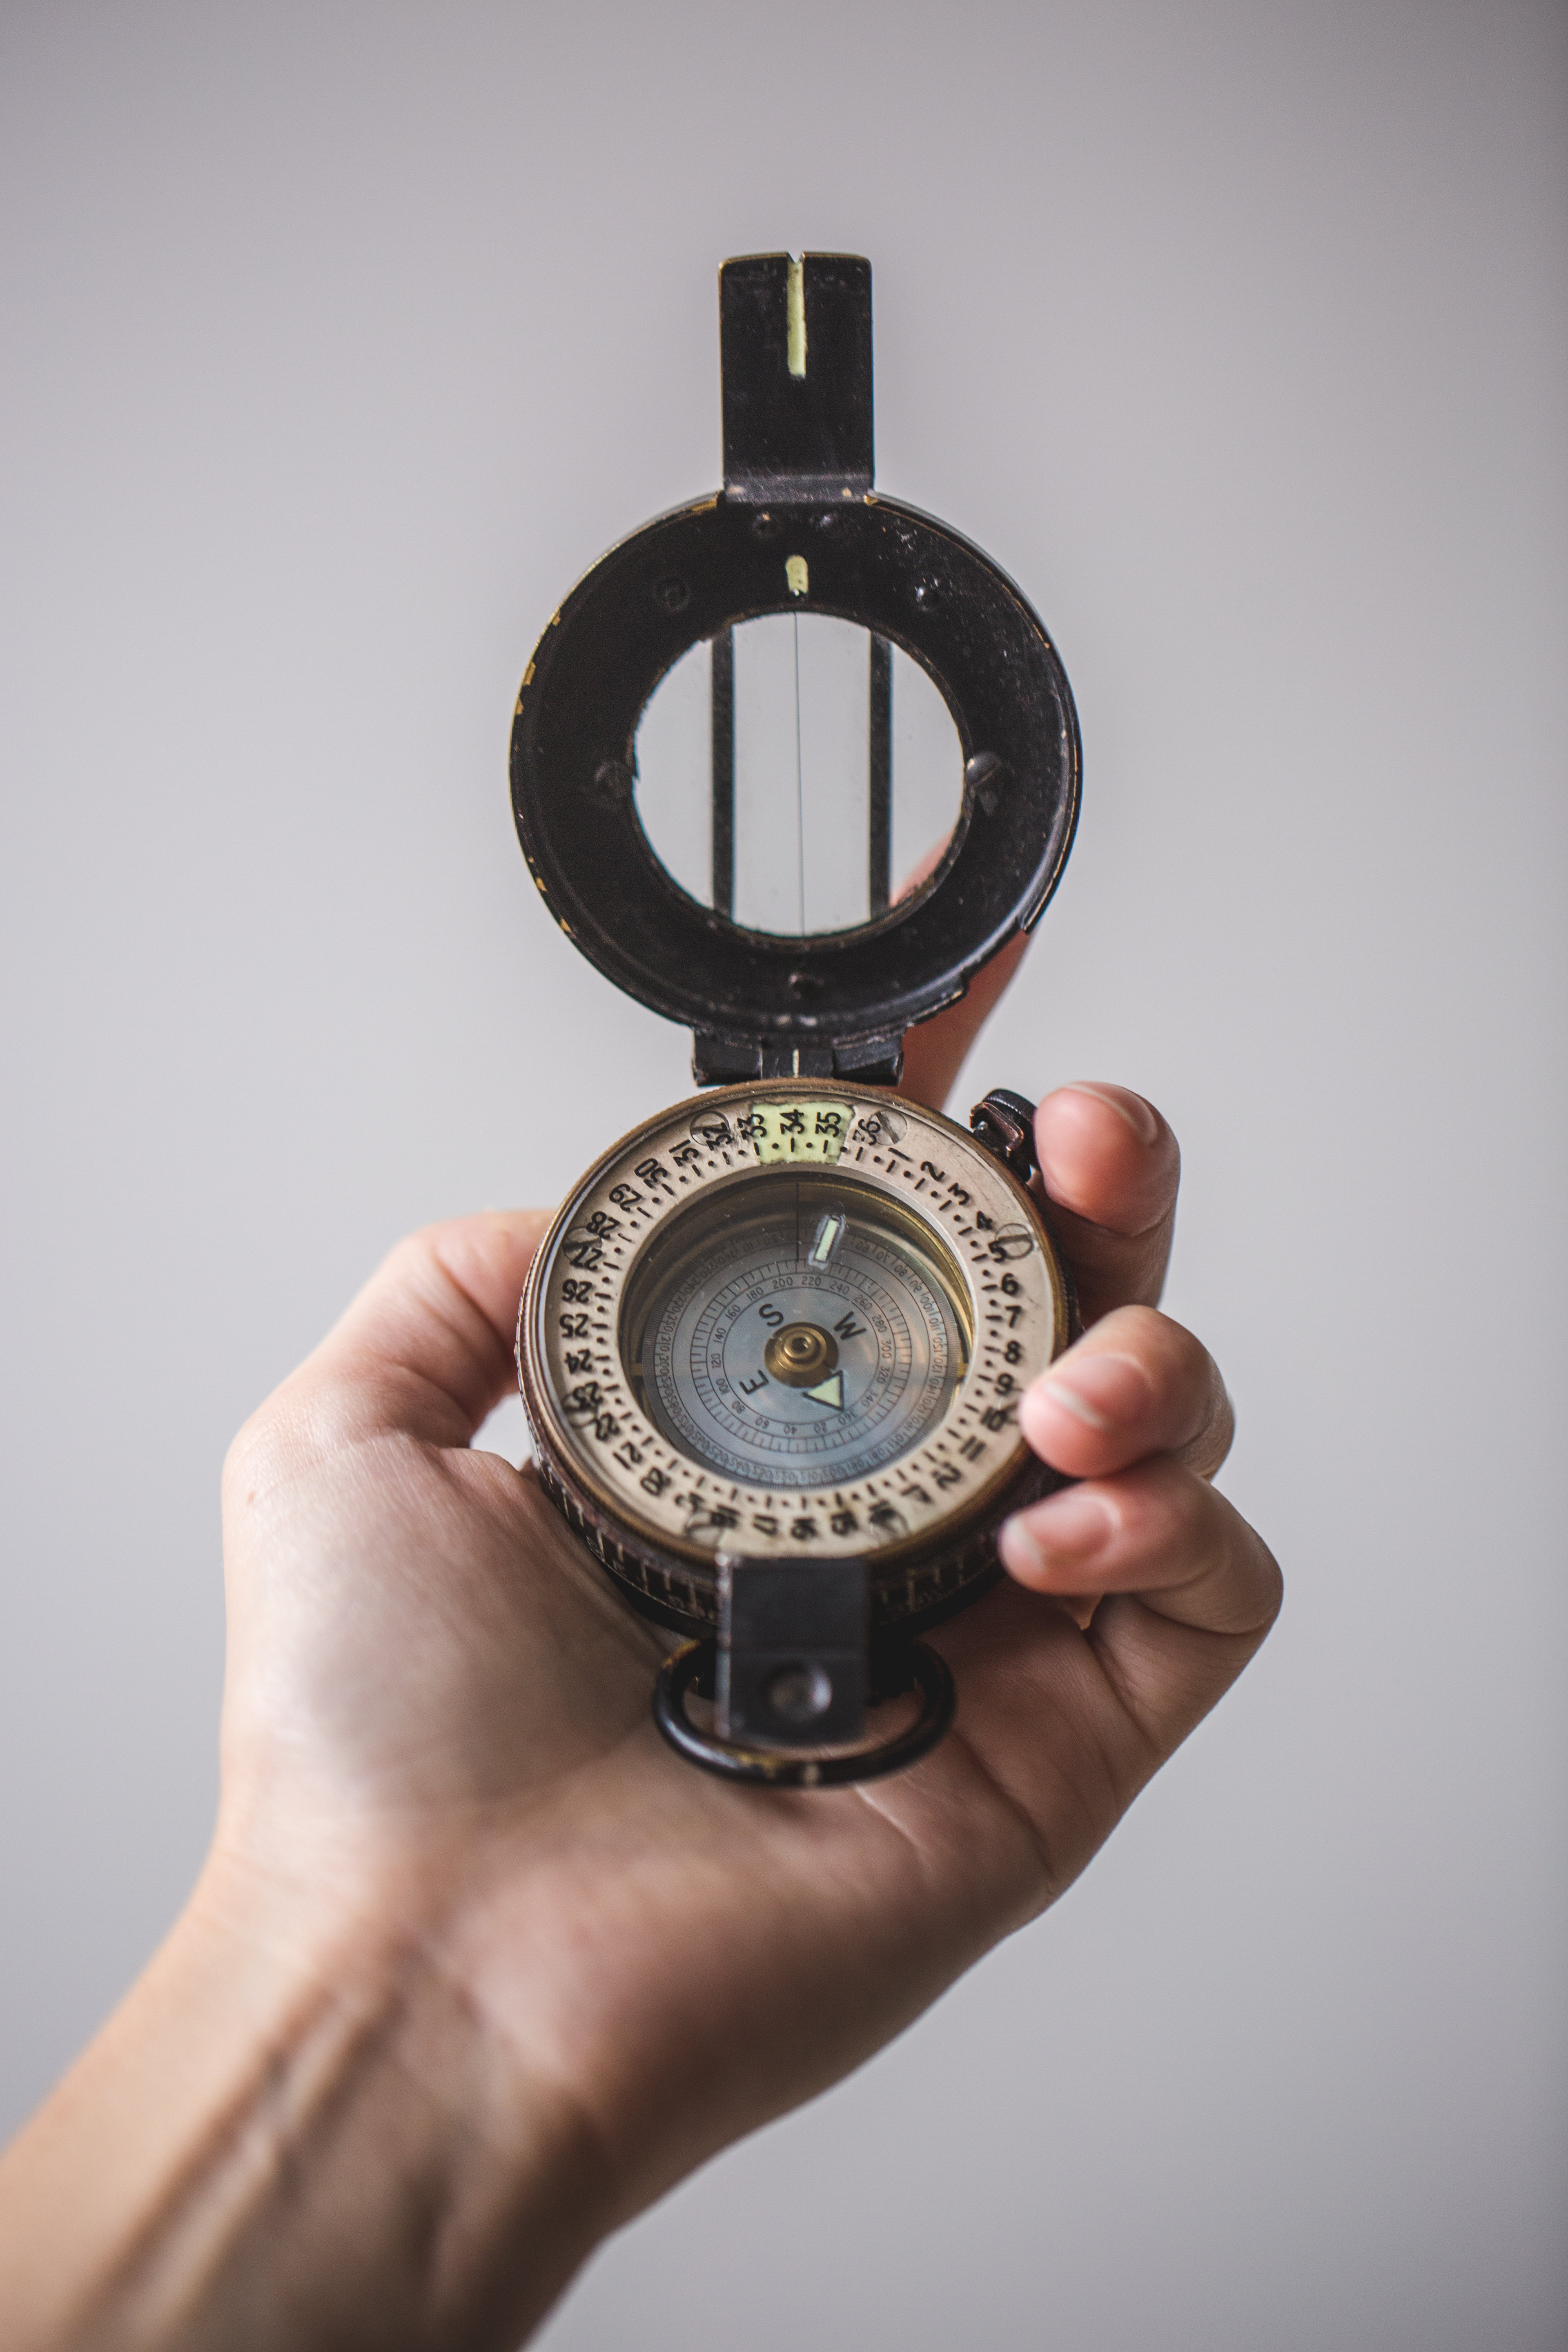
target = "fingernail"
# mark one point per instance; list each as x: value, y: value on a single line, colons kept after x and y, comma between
x: 1140, y: 1115
x: 1102, y: 1391
x: 1069, y: 1526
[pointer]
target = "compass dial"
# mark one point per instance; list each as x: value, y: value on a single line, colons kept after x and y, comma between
x: 793, y: 1318
x: 795, y: 1332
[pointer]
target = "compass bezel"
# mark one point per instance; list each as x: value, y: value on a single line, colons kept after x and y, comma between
x: 657, y: 1517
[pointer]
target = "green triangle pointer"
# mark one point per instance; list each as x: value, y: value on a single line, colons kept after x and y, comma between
x: 829, y: 1391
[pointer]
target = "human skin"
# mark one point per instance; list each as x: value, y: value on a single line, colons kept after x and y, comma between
x: 476, y: 1967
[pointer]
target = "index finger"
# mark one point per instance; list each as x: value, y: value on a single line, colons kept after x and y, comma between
x: 1110, y: 1168
x: 1109, y: 1162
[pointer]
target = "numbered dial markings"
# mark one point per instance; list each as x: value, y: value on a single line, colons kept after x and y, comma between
x: 784, y: 1317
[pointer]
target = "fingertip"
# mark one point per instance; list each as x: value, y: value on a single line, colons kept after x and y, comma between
x: 1019, y: 1554
x: 490, y: 1251
x: 1052, y: 1544
x: 1092, y: 1411
x: 426, y: 1346
x: 1107, y: 1154
x: 1139, y: 1114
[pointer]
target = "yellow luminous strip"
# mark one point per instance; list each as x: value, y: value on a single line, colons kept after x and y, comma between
x: 806, y: 1130
x: 795, y: 317
x: 829, y: 1234
x: 796, y: 573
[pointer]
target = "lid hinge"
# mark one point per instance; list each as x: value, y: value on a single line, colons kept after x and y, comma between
x: 720, y: 1061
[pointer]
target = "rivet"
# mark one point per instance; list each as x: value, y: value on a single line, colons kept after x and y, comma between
x: 986, y: 775
x: 798, y: 1695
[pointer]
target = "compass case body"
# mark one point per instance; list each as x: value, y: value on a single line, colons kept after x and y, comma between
x: 663, y: 1486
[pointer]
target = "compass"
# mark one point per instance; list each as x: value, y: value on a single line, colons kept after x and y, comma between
x: 772, y: 1349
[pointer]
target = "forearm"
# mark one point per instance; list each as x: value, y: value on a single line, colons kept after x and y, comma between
x: 295, y: 2131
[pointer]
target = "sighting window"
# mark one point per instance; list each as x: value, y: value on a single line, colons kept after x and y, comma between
x: 796, y: 771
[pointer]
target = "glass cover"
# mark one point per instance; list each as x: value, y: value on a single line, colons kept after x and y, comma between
x: 840, y: 774
x: 796, y: 1331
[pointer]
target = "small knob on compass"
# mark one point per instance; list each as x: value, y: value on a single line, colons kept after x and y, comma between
x: 1004, y: 1124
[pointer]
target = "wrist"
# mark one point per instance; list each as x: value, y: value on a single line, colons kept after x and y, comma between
x: 299, y: 2115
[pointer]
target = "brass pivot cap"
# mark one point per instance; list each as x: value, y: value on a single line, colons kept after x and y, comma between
x: 801, y: 1355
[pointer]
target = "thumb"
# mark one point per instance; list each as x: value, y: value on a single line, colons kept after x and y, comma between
x: 425, y: 1349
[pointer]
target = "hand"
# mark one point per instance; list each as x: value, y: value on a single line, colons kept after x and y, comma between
x: 478, y: 1967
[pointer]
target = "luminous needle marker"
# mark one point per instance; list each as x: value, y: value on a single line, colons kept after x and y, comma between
x: 828, y: 1392
x: 829, y: 1233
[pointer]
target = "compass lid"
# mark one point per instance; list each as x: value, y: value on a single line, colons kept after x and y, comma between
x: 796, y: 528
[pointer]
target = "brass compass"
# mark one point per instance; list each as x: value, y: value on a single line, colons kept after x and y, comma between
x: 772, y: 1348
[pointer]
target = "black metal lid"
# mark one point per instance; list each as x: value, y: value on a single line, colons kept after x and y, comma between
x: 796, y: 528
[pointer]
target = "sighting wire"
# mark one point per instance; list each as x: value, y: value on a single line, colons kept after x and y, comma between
x: 799, y: 787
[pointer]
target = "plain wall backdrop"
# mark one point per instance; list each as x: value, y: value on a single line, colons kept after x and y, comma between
x: 337, y: 340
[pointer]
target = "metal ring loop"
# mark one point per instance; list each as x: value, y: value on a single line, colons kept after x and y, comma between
x: 778, y: 1769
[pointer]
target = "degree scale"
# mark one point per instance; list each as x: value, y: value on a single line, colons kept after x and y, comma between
x: 772, y: 1347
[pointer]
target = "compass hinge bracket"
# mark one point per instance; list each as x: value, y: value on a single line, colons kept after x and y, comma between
x: 718, y: 1060
x: 792, y: 1651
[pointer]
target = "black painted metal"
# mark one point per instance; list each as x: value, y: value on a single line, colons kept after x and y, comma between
x: 879, y: 779
x: 724, y: 771
x: 718, y: 1060
x: 802, y: 1625
x: 759, y: 1004
x: 1005, y: 1124
x: 695, y: 1663
x: 793, y: 436
x: 692, y: 573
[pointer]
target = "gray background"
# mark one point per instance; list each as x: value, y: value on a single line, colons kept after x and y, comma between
x: 337, y: 340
